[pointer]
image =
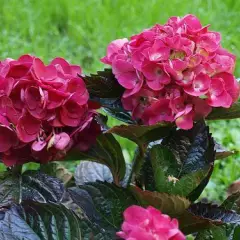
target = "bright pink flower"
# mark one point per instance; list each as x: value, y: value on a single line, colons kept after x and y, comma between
x: 182, y: 57
x: 149, y: 224
x: 43, y: 110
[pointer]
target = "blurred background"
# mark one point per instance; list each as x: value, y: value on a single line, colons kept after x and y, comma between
x: 80, y: 30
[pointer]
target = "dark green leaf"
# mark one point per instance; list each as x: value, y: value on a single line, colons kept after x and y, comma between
x: 236, y: 233
x: 106, y: 151
x: 225, y: 113
x: 57, y: 170
x: 194, y: 148
x: 172, y: 205
x: 167, y: 173
x: 44, y: 221
x: 103, y: 203
x: 31, y: 185
x: 214, y: 232
x: 215, y: 213
x: 141, y: 134
x: 231, y: 202
x: 121, y: 115
x: 103, y: 84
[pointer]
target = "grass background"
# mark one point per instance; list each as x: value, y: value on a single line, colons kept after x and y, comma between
x: 80, y: 30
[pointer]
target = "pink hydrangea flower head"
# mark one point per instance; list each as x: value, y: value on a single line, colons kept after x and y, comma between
x: 149, y: 224
x: 44, y: 109
x: 181, y: 54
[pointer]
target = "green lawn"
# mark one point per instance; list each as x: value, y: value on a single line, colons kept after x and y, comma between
x: 80, y: 30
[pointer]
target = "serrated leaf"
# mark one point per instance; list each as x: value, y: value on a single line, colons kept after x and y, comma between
x: 215, y: 213
x: 103, y: 203
x: 172, y: 205
x: 35, y: 221
x: 225, y: 113
x: 57, y: 170
x: 142, y: 134
x: 103, y: 84
x: 106, y: 151
x: 30, y: 185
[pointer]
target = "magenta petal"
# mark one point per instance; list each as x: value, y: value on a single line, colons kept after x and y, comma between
x: 61, y: 141
x: 28, y: 128
x: 185, y: 121
x: 38, y: 146
x: 7, y: 138
x: 128, y: 79
x: 222, y: 100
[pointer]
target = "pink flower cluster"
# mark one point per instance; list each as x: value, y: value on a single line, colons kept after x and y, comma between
x: 173, y: 72
x: 44, y: 110
x: 149, y: 224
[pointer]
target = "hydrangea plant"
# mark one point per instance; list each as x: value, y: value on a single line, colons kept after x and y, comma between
x: 164, y: 84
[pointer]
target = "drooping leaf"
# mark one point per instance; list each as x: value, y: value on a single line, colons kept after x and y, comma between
x: 88, y: 171
x: 231, y: 202
x: 103, y: 84
x: 225, y: 113
x: 141, y: 134
x: 106, y: 151
x: 30, y: 185
x: 222, y: 152
x: 119, y: 114
x: 57, y: 170
x: 103, y: 203
x: 44, y: 221
x: 172, y: 205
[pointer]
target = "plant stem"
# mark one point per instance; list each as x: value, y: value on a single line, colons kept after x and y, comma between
x: 17, y: 170
x: 137, y: 163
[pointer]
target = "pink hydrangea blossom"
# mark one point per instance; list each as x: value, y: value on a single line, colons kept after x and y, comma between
x: 174, y: 72
x: 149, y: 224
x: 44, y: 110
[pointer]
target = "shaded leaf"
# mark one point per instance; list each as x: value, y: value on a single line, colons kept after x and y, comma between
x: 32, y: 185
x: 57, y: 170
x: 106, y: 151
x: 88, y: 171
x: 225, y: 113
x: 103, y: 203
x: 194, y: 148
x: 103, y: 84
x: 172, y: 205
x: 35, y: 221
x: 214, y: 213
